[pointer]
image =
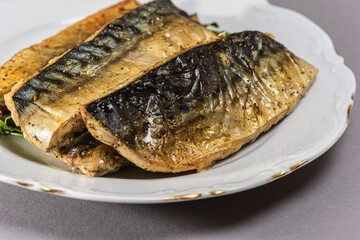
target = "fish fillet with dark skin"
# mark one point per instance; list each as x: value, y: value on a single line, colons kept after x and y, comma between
x: 47, y: 105
x: 29, y: 61
x: 92, y: 157
x: 202, y: 105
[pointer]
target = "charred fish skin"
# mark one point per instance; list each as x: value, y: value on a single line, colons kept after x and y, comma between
x: 114, y: 56
x: 92, y: 157
x: 29, y: 61
x: 79, y: 61
x: 202, y: 105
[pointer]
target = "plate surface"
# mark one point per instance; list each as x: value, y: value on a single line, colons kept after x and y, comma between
x: 315, y: 125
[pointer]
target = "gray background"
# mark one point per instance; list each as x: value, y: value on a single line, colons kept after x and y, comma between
x: 319, y: 201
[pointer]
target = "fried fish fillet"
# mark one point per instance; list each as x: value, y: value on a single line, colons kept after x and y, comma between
x: 90, y: 156
x: 47, y: 105
x: 29, y: 61
x: 202, y: 105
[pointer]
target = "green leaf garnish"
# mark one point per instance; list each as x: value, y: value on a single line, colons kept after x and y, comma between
x: 8, y: 127
x: 215, y: 25
x: 219, y: 32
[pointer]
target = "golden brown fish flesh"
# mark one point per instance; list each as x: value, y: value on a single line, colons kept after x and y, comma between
x: 46, y: 105
x: 31, y: 60
x: 85, y: 155
x: 202, y: 105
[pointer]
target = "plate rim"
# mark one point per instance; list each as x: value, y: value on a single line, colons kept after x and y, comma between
x: 200, y: 193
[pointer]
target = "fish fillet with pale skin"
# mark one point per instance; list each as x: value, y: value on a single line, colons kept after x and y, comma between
x: 202, y: 105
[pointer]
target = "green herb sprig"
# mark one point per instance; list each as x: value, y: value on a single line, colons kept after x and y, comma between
x: 8, y: 127
x: 215, y: 25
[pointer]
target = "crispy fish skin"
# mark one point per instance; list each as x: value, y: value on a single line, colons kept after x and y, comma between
x: 92, y: 157
x: 202, y: 105
x: 29, y: 61
x: 46, y: 106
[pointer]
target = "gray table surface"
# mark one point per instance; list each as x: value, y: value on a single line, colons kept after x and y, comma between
x: 319, y: 201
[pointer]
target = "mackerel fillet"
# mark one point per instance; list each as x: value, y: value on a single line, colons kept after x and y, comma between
x: 90, y: 156
x: 202, y: 105
x: 47, y: 105
x: 30, y: 61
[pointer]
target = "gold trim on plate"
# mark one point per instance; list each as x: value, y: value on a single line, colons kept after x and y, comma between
x: 348, y: 112
x: 280, y: 174
x: 50, y: 190
x: 184, y: 197
x: 219, y: 192
x: 24, y: 184
x: 299, y: 164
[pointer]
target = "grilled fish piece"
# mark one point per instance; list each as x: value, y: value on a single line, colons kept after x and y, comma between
x: 46, y: 106
x: 92, y: 157
x: 202, y: 105
x: 29, y: 61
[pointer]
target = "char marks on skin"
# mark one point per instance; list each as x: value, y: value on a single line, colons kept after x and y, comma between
x: 92, y: 157
x: 30, y: 61
x: 121, y: 52
x: 202, y: 105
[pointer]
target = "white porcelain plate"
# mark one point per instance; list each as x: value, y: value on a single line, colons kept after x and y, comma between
x: 315, y: 125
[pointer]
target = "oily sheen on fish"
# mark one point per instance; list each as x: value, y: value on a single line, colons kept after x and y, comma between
x: 46, y: 106
x: 29, y: 61
x: 202, y: 105
x: 92, y: 157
